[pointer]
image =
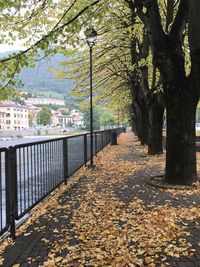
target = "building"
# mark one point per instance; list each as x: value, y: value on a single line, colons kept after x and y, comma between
x: 13, y: 116
x: 65, y: 120
x: 44, y: 101
x: 64, y: 111
x: 78, y: 117
x: 2, y: 120
x: 32, y: 114
x: 74, y: 118
x: 62, y: 120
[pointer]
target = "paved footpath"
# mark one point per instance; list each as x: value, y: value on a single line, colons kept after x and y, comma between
x: 109, y: 216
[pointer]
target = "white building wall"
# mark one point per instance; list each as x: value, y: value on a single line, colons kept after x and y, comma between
x: 16, y: 117
x: 44, y: 101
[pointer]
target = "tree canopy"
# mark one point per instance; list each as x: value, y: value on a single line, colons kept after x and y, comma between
x: 44, y: 116
x: 146, y: 56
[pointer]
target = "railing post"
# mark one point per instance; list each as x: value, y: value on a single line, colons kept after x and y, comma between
x: 113, y: 137
x: 65, y: 158
x: 85, y: 149
x: 95, y: 137
x: 12, y: 189
x: 110, y: 131
x: 102, y: 140
x: 7, y: 185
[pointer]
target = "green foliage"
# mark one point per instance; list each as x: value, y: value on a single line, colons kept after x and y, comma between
x: 52, y: 26
x: 107, y: 119
x: 112, y: 61
x: 7, y: 93
x: 65, y: 112
x: 54, y: 107
x: 198, y: 115
x: 44, y: 116
x: 96, y: 119
x: 39, y: 25
x: 52, y: 23
x: 41, y: 78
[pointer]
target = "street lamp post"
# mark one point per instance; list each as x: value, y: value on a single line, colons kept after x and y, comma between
x: 118, y: 120
x: 91, y: 36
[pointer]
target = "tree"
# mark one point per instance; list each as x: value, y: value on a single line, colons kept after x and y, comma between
x: 107, y: 118
x: 44, y: 116
x: 166, y: 25
x: 181, y: 90
x: 166, y: 28
x: 121, y: 64
x: 153, y: 99
x: 39, y: 25
x: 96, y: 122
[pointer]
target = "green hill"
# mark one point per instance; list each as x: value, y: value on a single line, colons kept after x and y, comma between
x: 41, y: 80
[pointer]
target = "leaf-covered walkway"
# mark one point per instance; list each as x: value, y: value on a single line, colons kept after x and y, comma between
x: 110, y: 217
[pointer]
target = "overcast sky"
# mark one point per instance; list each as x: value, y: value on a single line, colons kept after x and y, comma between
x: 5, y: 48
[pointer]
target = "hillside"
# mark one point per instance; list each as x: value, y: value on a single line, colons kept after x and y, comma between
x: 41, y: 81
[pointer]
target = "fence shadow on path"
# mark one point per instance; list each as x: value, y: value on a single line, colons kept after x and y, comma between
x: 33, y: 247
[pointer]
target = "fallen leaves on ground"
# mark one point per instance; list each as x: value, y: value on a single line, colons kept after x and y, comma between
x: 111, y: 232
x: 1, y: 261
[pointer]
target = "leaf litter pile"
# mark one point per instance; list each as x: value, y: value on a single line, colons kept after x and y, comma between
x: 97, y: 227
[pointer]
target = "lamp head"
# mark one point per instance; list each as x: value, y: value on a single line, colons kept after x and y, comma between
x: 91, y: 36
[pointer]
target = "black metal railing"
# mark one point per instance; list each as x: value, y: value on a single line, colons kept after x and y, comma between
x: 3, y: 190
x: 39, y: 169
x: 31, y: 171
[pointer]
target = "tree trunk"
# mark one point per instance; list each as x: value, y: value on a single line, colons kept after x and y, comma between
x: 134, y: 123
x: 154, y: 105
x: 143, y: 125
x: 141, y: 114
x: 180, y: 143
x: 155, y: 113
x: 180, y: 97
x: 136, y: 126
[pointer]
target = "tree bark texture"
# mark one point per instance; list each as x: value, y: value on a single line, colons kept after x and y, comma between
x: 143, y: 125
x: 194, y: 41
x: 155, y: 116
x: 141, y: 122
x: 181, y: 141
x: 180, y: 92
x: 155, y: 109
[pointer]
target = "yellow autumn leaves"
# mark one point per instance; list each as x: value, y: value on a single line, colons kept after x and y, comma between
x: 110, y: 232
